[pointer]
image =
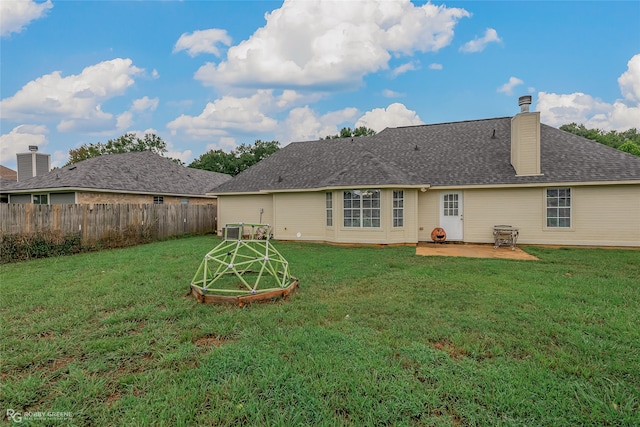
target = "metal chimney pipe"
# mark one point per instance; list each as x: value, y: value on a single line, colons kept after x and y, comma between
x: 524, y: 102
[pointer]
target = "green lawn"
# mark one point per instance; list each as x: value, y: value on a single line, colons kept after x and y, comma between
x: 373, y: 336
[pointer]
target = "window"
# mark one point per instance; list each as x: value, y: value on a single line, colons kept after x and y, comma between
x: 450, y: 207
x: 329, y: 208
x: 158, y: 200
x: 40, y: 199
x: 361, y: 208
x: 398, y: 208
x: 559, y: 207
x: 184, y: 201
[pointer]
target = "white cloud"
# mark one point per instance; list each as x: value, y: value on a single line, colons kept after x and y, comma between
x: 304, y: 124
x: 623, y: 114
x: 331, y: 43
x: 15, y: 15
x: 203, y: 41
x: 508, y: 87
x: 395, y: 115
x: 145, y: 103
x: 388, y: 93
x: 478, y: 44
x: 19, y: 139
x: 435, y: 66
x: 557, y: 110
x: 409, y: 66
x: 74, y: 100
x: 229, y: 114
x: 629, y: 81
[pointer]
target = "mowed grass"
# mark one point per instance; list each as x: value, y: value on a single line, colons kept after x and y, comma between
x: 373, y: 336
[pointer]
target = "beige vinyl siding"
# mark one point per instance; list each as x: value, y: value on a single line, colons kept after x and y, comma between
x: 525, y: 143
x: 233, y: 209
x: 601, y: 215
x: 330, y: 233
x: 428, y: 213
x: 302, y: 213
x: 386, y: 234
x: 607, y: 216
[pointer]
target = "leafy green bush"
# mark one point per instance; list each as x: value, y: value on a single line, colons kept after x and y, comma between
x: 43, y: 244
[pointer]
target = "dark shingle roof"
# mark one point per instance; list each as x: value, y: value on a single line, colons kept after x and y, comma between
x: 460, y: 153
x: 140, y: 172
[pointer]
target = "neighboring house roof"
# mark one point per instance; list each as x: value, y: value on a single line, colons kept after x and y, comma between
x: 8, y: 174
x: 447, y: 154
x: 134, y: 172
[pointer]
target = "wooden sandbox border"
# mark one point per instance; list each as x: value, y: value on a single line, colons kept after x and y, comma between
x: 241, y: 300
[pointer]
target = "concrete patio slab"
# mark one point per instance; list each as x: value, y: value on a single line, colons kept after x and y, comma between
x: 471, y: 251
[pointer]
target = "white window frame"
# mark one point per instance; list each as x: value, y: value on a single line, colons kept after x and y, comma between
x: 158, y: 200
x: 398, y: 208
x: 361, y: 209
x: 45, y: 195
x: 328, y: 203
x: 558, y: 208
x: 451, y: 204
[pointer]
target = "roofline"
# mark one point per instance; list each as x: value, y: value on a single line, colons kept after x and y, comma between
x: 445, y: 123
x: 536, y: 184
x: 326, y: 188
x: 434, y: 187
x: 94, y: 190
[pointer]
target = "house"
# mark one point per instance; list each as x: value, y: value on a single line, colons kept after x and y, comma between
x: 465, y: 177
x: 7, y: 177
x: 135, y: 177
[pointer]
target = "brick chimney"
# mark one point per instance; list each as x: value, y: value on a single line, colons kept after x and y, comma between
x: 525, y: 140
x: 33, y: 163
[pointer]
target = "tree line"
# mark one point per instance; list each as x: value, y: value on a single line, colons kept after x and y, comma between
x: 237, y: 160
x: 627, y: 141
x: 246, y: 155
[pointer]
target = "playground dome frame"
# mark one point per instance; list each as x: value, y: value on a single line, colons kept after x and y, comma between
x: 245, y: 267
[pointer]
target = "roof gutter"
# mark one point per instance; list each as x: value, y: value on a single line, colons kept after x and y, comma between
x: 96, y: 190
x: 326, y: 188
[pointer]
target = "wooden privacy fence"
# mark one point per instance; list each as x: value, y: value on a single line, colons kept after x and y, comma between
x: 94, y: 221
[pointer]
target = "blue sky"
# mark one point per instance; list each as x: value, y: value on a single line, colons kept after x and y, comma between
x: 215, y: 74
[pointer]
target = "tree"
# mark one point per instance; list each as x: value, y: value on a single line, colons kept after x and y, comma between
x: 348, y: 133
x: 126, y: 143
x: 236, y: 161
x: 631, y: 148
x: 612, y: 138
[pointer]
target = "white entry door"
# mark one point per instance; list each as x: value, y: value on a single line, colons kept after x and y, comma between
x: 451, y: 214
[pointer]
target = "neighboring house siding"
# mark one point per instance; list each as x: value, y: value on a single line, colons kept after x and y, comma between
x: 62, y: 198
x: 115, y: 198
x: 601, y: 215
x: 234, y: 209
x: 20, y: 198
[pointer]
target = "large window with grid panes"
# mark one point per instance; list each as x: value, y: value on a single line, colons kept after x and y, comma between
x: 361, y: 208
x: 558, y: 201
x: 328, y: 197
